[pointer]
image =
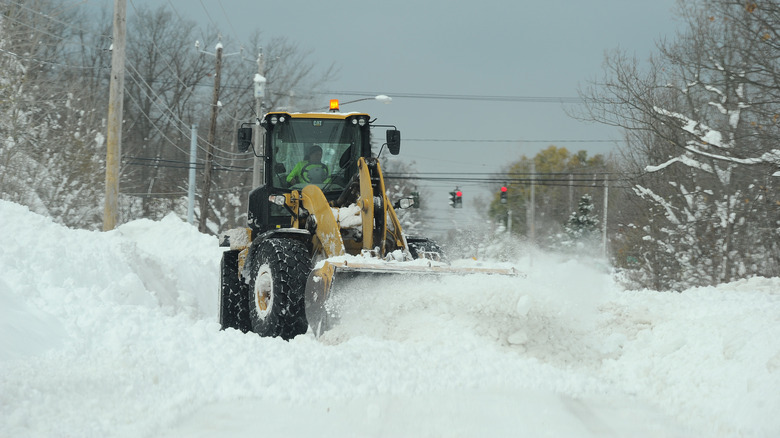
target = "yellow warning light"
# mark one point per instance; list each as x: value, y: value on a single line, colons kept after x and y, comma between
x: 334, y: 105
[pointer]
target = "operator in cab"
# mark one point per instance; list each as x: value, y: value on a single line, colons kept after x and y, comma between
x: 311, y: 170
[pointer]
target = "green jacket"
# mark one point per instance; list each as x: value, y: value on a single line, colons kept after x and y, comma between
x: 297, y: 174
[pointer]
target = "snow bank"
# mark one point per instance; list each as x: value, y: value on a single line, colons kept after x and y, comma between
x: 116, y: 334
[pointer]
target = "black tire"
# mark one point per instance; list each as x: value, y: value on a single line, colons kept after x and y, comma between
x: 233, y: 303
x: 277, y: 284
x: 420, y: 245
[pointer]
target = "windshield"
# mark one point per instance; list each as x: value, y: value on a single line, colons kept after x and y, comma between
x: 314, y: 151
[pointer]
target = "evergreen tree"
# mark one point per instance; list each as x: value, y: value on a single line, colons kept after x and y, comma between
x: 582, y: 224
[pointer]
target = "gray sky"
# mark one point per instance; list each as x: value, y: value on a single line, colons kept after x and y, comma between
x: 487, y: 48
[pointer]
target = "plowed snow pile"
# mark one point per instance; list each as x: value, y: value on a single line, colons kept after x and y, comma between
x: 116, y: 334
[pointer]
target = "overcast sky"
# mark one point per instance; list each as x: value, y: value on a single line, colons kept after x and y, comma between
x: 512, y: 48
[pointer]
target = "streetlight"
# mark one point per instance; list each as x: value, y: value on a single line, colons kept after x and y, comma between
x: 334, y: 103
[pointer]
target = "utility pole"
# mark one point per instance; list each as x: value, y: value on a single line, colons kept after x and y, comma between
x: 257, y: 135
x: 192, y: 184
x: 571, y: 192
x: 114, y: 123
x: 204, y: 200
x: 532, y: 210
x: 604, y: 222
x: 531, y: 216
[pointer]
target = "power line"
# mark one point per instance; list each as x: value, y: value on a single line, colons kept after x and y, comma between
x: 177, y: 164
x: 65, y: 40
x: 150, y: 94
x: 208, y: 15
x: 483, y: 97
x: 164, y: 58
x: 594, y: 179
x: 227, y: 17
x: 473, y: 140
x: 570, y: 172
x: 156, y: 101
x: 40, y: 61
x: 516, y: 181
x: 45, y: 32
x: 148, y: 117
x: 173, y: 8
x: 182, y: 193
x: 164, y: 136
x: 54, y: 19
x: 542, y: 99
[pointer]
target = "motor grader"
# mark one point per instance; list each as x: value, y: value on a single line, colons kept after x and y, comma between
x: 321, y: 216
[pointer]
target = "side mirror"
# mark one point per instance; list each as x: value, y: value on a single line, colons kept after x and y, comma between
x: 244, y: 139
x: 394, y: 141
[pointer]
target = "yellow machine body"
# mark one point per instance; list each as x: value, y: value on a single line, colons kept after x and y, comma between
x: 348, y: 232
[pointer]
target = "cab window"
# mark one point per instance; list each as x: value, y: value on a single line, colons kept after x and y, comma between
x: 314, y: 151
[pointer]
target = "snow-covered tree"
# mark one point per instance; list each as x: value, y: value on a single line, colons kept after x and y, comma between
x: 582, y: 224
x: 54, y: 58
x: 13, y: 122
x: 49, y: 134
x: 701, y: 148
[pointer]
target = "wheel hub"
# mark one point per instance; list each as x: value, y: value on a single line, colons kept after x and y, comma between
x: 263, y: 291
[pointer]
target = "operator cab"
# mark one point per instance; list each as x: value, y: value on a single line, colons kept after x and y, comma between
x: 306, y: 148
x: 314, y: 148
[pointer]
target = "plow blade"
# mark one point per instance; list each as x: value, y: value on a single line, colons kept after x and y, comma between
x: 322, y: 304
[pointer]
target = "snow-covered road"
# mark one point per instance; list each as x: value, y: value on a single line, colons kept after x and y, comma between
x: 116, y: 334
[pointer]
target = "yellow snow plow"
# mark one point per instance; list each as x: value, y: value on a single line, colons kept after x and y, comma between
x: 322, y: 215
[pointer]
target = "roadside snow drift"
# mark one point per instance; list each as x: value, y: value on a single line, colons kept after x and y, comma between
x: 116, y: 335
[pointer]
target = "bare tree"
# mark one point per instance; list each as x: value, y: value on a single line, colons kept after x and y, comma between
x: 695, y: 136
x: 165, y: 83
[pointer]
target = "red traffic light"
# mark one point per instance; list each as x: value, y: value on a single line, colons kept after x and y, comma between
x: 458, y: 193
x: 503, y: 189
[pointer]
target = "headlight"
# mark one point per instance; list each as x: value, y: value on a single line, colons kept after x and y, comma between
x: 277, y: 199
